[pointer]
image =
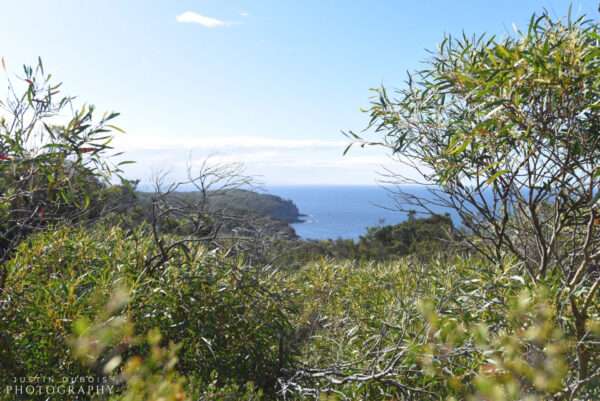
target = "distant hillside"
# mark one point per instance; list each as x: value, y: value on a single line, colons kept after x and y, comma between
x: 243, y: 200
x: 265, y: 205
x: 272, y: 213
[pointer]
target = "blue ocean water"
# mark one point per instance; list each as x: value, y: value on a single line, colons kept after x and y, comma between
x: 342, y: 211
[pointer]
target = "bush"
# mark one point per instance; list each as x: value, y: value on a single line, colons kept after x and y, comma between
x: 229, y: 319
x: 428, y: 331
x: 53, y: 167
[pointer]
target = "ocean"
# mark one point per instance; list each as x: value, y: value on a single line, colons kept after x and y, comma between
x: 342, y: 211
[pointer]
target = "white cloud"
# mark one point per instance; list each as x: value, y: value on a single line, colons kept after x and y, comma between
x: 195, y: 18
x: 244, y: 14
x: 129, y: 142
x: 270, y: 160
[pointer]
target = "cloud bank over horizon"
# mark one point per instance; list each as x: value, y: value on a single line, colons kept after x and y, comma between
x: 220, y: 142
x: 272, y: 161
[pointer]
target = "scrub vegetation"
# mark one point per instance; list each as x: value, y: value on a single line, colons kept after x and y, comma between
x: 168, y: 296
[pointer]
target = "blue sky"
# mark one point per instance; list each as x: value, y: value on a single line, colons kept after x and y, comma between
x: 267, y: 83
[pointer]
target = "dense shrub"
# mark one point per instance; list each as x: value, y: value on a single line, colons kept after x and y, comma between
x: 228, y: 318
x: 454, y: 330
x: 423, y: 238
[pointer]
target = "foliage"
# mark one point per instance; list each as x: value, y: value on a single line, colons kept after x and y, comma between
x: 232, y: 208
x: 403, y: 328
x: 503, y: 127
x: 427, y: 237
x: 230, y: 318
x: 259, y: 203
x: 419, y: 237
x: 154, y: 303
x: 453, y: 330
x: 504, y: 131
x: 50, y: 168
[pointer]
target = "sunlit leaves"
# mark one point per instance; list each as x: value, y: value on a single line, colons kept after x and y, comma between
x: 487, y: 99
x: 54, y: 156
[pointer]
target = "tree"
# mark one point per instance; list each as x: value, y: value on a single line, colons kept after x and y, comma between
x: 506, y: 133
x: 50, y: 165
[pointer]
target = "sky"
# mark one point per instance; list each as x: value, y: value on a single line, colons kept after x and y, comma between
x: 267, y: 83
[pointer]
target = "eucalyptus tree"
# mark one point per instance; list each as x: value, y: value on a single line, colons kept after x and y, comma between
x: 53, y: 157
x: 505, y: 132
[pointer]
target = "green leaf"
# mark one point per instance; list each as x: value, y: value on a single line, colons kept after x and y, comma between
x: 114, y: 127
x: 503, y: 53
x: 495, y: 176
x: 460, y: 147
